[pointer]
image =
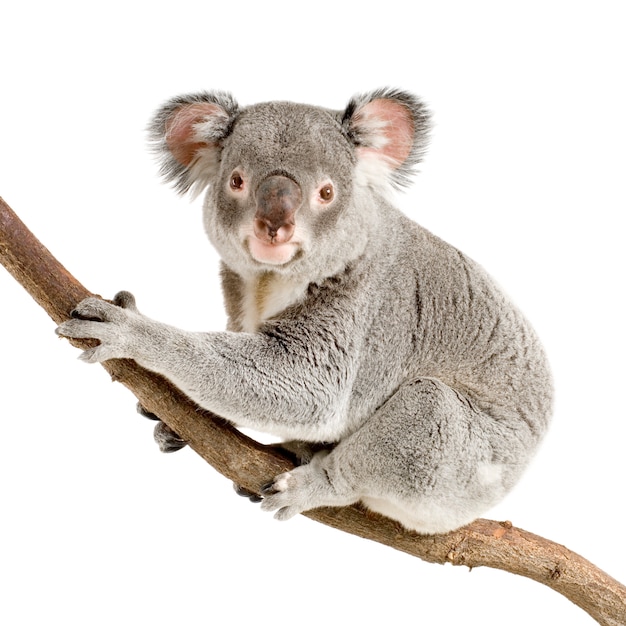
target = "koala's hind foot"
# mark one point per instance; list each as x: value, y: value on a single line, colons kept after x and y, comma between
x: 306, y: 487
x: 166, y: 438
x: 300, y: 452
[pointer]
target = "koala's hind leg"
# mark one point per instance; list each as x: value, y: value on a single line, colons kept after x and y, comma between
x: 426, y: 458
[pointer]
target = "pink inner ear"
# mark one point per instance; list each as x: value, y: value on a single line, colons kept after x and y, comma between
x: 180, y: 130
x: 392, y: 124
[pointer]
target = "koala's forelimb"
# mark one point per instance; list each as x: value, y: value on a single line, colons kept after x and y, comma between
x: 250, y: 464
x: 216, y: 379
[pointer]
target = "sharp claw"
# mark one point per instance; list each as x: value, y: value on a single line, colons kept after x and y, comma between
x: 145, y: 413
x: 172, y: 446
x: 268, y: 489
x: 244, y: 493
x: 74, y: 314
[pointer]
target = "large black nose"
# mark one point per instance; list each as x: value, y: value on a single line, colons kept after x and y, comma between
x: 277, y: 200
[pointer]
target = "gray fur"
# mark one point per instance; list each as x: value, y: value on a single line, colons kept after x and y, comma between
x: 374, y: 335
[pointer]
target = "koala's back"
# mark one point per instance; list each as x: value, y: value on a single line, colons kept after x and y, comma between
x: 441, y: 316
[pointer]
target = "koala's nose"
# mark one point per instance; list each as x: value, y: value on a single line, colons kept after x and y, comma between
x: 277, y: 200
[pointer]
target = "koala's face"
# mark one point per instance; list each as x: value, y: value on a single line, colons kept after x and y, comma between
x: 292, y: 188
x: 284, y: 179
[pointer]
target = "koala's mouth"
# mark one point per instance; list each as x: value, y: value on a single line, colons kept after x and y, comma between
x: 272, y: 253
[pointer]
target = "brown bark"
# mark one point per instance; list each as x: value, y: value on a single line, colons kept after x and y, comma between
x: 250, y: 464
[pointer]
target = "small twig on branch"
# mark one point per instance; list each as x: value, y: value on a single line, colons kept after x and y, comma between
x: 250, y: 464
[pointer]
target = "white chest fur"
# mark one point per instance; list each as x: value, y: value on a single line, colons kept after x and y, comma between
x: 267, y: 295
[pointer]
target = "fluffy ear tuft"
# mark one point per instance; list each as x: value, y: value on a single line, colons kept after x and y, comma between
x: 390, y: 130
x: 186, y: 134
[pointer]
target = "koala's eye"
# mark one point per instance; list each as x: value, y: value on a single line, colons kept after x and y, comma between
x: 236, y: 181
x: 327, y: 193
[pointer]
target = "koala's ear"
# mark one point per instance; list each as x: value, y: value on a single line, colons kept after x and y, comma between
x: 187, y: 133
x: 390, y: 131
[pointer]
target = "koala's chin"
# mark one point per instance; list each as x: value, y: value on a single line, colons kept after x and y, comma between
x: 272, y: 253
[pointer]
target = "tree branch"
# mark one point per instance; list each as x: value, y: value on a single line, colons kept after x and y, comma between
x: 251, y: 464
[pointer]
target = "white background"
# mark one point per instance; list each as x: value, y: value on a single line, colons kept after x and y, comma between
x: 525, y: 173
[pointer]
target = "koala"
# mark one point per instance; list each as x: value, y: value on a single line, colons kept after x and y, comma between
x: 420, y: 389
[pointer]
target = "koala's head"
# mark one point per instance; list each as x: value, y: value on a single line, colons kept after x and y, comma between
x: 291, y: 188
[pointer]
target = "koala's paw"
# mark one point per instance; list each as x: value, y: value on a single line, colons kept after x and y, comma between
x: 112, y: 323
x: 281, y: 495
x: 303, y: 488
x: 167, y: 439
